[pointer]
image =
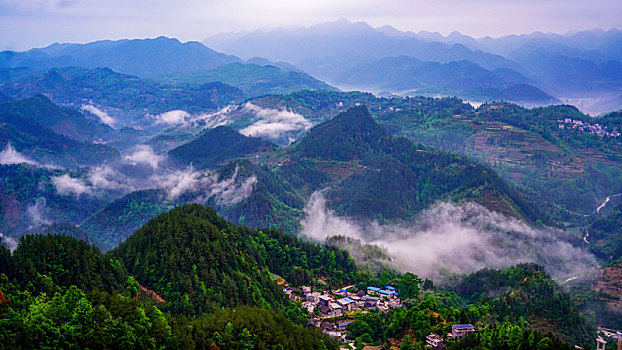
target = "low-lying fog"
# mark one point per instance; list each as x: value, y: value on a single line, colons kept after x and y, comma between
x: 449, y: 238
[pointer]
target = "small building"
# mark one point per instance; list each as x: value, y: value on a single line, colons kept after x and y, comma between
x: 312, y: 297
x: 323, y: 309
x: 387, y: 293
x: 460, y: 330
x: 373, y: 289
x: 313, y: 322
x: 345, y: 303
x: 343, y: 325
x: 327, y: 326
x: 324, y: 300
x: 390, y: 288
x: 370, y: 301
x: 335, y: 310
x: 334, y: 334
x: 435, y: 341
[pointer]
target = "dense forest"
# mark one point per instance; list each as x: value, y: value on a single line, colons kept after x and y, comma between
x: 215, y: 147
x: 53, y: 283
x: 223, y: 265
x: 190, y: 279
x: 388, y: 177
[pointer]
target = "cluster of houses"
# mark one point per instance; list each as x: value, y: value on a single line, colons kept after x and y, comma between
x: 586, y: 127
x: 458, y: 331
x: 608, y: 335
x: 329, y: 304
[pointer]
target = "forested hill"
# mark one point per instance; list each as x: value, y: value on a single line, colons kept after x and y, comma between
x: 47, y: 133
x: 218, y: 281
x: 605, y: 236
x: 372, y: 174
x: 216, y: 146
x: 527, y: 292
x: 63, y: 121
x: 198, y: 262
x: 193, y: 258
x: 59, y: 292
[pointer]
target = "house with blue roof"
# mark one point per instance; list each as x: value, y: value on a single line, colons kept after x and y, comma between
x: 342, y: 325
x: 460, y: 330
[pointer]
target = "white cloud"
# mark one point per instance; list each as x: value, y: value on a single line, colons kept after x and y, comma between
x: 36, y: 211
x: 230, y: 191
x: 102, y: 115
x: 275, y: 124
x: 216, y: 119
x: 106, y: 177
x: 456, y: 239
x: 176, y: 117
x: 10, y: 242
x: 67, y: 185
x: 11, y: 156
x: 178, y: 182
x: 204, y: 185
x: 144, y: 154
x: 281, y: 126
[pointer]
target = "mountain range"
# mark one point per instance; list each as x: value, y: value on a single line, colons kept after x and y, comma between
x: 575, y: 66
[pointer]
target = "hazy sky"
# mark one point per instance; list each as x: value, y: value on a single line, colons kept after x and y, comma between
x: 35, y: 23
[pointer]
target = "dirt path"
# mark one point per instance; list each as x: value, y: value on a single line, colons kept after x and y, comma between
x: 603, y: 204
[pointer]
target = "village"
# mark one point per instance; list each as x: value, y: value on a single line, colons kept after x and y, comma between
x: 333, y: 310
x: 580, y: 125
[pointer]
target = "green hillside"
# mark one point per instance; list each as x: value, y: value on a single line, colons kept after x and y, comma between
x: 111, y: 90
x: 29, y: 198
x: 253, y: 79
x: 221, y: 265
x: 120, y: 218
x: 47, y: 147
x: 63, y: 121
x: 374, y: 175
x: 217, y: 146
x: 59, y: 292
x: 605, y: 236
x: 527, y: 292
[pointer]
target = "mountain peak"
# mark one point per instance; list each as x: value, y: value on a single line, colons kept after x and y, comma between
x: 217, y: 146
x: 350, y: 135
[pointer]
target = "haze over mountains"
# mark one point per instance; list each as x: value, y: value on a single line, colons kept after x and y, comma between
x: 583, y: 68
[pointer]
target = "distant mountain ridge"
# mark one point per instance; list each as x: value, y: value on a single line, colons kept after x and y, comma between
x: 140, y: 57
x: 582, y: 67
x: 463, y: 78
x: 253, y: 79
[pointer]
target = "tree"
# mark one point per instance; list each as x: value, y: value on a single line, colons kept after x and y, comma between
x: 409, y: 285
x: 407, y: 343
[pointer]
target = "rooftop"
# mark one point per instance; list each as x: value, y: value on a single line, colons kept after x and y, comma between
x: 463, y: 326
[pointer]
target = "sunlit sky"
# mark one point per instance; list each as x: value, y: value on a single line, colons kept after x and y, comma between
x: 35, y: 23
